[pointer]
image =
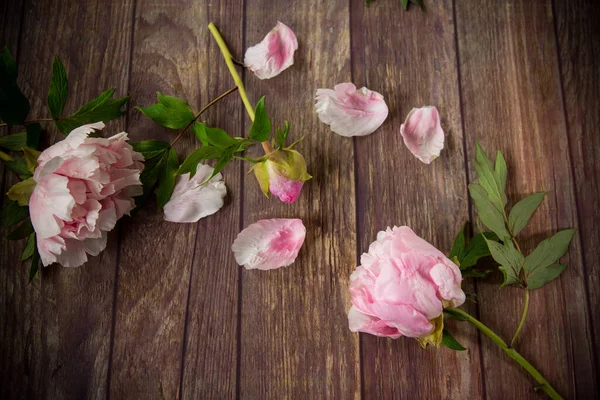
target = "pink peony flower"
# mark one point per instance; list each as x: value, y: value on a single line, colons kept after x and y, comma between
x: 192, y: 200
x: 83, y: 186
x: 350, y: 112
x: 274, y: 54
x: 269, y: 243
x: 423, y: 134
x: 402, y: 287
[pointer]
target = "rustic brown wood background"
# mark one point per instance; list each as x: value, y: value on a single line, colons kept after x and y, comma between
x: 165, y: 312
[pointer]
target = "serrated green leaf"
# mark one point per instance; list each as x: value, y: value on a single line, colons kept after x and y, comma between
x: 14, y: 106
x: 487, y: 178
x: 21, y: 191
x: 22, y: 231
x: 449, y: 341
x: 34, y: 132
x: 490, y: 216
x: 542, y: 275
x: 31, y: 157
x: 459, y: 244
x: 150, y: 148
x: 203, y: 153
x: 282, y: 134
x: 522, y: 211
x: 510, y: 260
x: 35, y: 263
x: 57, y: 94
x: 14, y: 142
x: 29, y: 247
x: 166, y: 183
x: 170, y: 112
x: 548, y: 252
x: 476, y: 249
x: 261, y: 127
x: 12, y: 214
x: 102, y: 108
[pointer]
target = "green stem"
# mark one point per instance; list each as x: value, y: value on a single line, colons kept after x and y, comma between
x: 512, y: 353
x: 523, y: 316
x: 30, y: 122
x: 236, y: 78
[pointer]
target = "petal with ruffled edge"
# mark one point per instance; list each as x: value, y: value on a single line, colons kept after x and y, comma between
x: 191, y: 200
x: 274, y: 54
x: 269, y: 243
x: 351, y: 112
x: 359, y: 322
x: 50, y: 199
x: 72, y: 141
x: 423, y: 134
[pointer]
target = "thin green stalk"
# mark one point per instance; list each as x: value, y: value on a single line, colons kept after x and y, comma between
x: 30, y: 122
x: 512, y: 353
x: 522, y: 321
x: 236, y: 78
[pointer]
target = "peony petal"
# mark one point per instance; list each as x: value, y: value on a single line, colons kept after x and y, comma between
x: 359, y: 322
x: 191, y: 200
x: 269, y: 243
x: 274, y: 54
x: 423, y: 134
x: 350, y: 112
x: 72, y: 141
x: 287, y: 190
x: 50, y: 203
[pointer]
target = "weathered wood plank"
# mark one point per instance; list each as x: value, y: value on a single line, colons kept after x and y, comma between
x: 579, y: 50
x: 157, y: 257
x: 410, y: 58
x: 295, y: 341
x: 511, y: 101
x: 61, y: 323
x: 211, y: 348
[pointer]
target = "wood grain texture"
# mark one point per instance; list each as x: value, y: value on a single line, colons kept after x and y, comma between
x: 295, y: 341
x: 61, y: 339
x: 211, y: 346
x: 410, y: 58
x: 515, y: 106
x: 578, y: 39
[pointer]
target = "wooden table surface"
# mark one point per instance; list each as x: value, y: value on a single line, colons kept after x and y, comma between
x: 165, y: 312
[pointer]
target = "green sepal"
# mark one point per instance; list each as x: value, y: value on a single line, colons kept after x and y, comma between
x: 262, y: 176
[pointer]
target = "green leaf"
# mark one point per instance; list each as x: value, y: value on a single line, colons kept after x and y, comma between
x: 102, y: 108
x: 19, y: 166
x: 449, y: 341
x: 12, y: 214
x: 35, y: 263
x: 21, y: 191
x: 170, y: 112
x: 31, y: 157
x: 14, y: 106
x: 474, y: 273
x: 153, y: 169
x: 29, y: 247
x: 221, y: 163
x: 214, y: 136
x: 203, y: 153
x: 501, y: 173
x: 459, y: 244
x: 200, y: 132
x: 282, y: 134
x: 489, y: 214
x: 166, y: 183
x: 34, y: 131
x: 540, y: 276
x: 547, y: 252
x: 22, y: 231
x: 510, y: 260
x: 261, y: 127
x: 476, y: 249
x: 404, y: 4
x: 522, y: 211
x: 14, y: 142
x: 150, y: 148
x: 488, y: 179
x: 57, y: 94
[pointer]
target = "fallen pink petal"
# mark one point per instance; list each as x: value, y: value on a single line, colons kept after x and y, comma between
x: 192, y: 199
x: 273, y: 54
x: 269, y: 243
x: 423, y: 133
x: 351, y: 112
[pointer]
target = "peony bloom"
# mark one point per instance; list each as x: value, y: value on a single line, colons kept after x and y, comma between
x: 350, y: 112
x: 83, y: 186
x: 402, y: 287
x: 192, y: 200
x: 269, y: 243
x: 274, y: 54
x: 423, y: 134
x: 282, y: 174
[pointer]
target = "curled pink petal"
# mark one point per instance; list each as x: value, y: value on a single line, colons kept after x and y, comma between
x: 269, y: 243
x: 288, y: 190
x: 423, y: 134
x: 274, y: 54
x: 351, y: 112
x: 192, y: 200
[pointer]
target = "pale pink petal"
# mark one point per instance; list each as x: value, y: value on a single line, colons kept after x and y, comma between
x: 269, y: 243
x: 274, y: 54
x: 191, y: 200
x: 49, y: 248
x: 448, y: 285
x: 359, y: 322
x: 50, y: 203
x: 351, y: 112
x: 423, y: 134
x: 74, y: 255
x: 95, y: 246
x: 72, y: 141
